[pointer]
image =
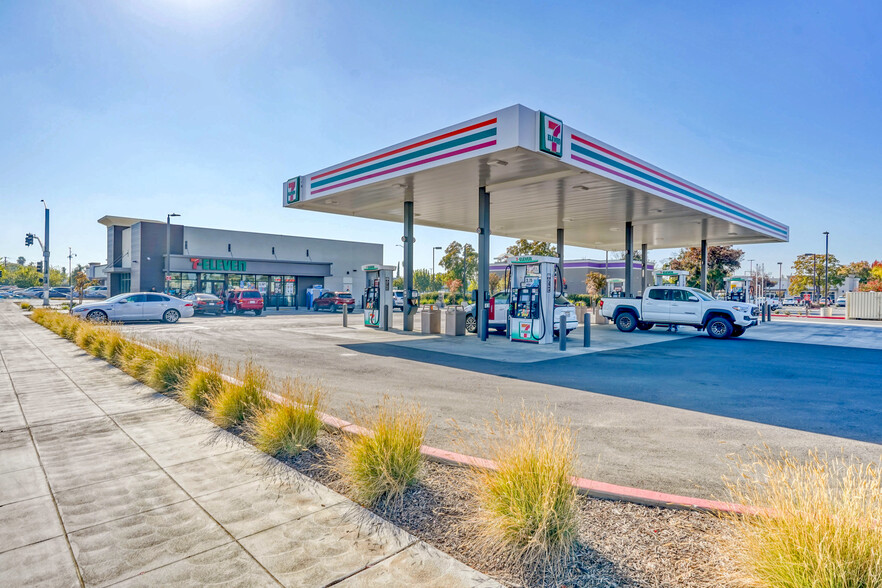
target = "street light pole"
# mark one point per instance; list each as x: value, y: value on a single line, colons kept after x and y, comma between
x: 781, y: 282
x: 168, y: 218
x: 752, y: 294
x: 70, y: 256
x: 46, y: 258
x: 826, y: 257
x: 433, y: 265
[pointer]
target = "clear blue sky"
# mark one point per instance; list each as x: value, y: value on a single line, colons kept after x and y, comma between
x: 201, y: 107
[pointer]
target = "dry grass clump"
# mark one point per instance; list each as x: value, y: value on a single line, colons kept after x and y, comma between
x: 528, y: 511
x: 234, y: 403
x: 288, y: 428
x: 819, y: 522
x: 137, y: 361
x: 379, y: 467
x: 85, y: 337
x: 170, y: 368
x: 201, y: 384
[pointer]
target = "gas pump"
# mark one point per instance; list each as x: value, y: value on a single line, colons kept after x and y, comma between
x: 377, y: 295
x: 679, y: 277
x: 531, y: 280
x: 736, y: 289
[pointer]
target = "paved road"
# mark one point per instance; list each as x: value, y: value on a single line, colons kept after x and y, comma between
x: 662, y: 415
x: 103, y: 481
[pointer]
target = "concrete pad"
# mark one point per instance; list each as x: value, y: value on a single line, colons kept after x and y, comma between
x: 162, y: 424
x: 17, y: 451
x: 228, y: 565
x: 251, y: 508
x: 55, y: 408
x: 222, y: 471
x: 47, y: 563
x: 28, y: 521
x: 198, y: 446
x: 11, y: 417
x: 121, y: 398
x: 120, y: 549
x: 107, y: 466
x: 326, y: 546
x: 420, y: 565
x: 22, y: 485
x: 122, y: 497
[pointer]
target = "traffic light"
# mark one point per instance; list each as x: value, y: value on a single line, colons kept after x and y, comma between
x: 29, y: 239
x: 40, y: 266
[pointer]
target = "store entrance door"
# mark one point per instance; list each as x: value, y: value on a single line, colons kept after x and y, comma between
x: 212, y: 284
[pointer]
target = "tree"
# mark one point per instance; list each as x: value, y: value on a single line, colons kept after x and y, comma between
x: 808, y: 274
x: 856, y: 269
x: 460, y: 262
x: 81, y: 282
x: 422, y: 280
x: 722, y: 261
x: 595, y: 282
x: 527, y: 247
x: 874, y: 279
x: 21, y: 260
x: 494, y: 283
x: 26, y: 276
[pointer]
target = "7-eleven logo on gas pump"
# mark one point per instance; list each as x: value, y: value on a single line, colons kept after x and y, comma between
x: 550, y: 135
x: 292, y: 190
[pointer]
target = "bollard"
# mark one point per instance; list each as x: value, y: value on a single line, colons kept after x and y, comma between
x: 769, y: 318
x: 762, y: 313
x: 345, y: 315
x: 562, y: 333
x: 386, y: 317
x: 586, y: 321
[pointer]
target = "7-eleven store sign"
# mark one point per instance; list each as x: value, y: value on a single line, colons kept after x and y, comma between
x: 550, y: 135
x: 292, y: 190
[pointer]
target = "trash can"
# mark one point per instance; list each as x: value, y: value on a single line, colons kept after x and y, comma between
x: 454, y: 321
x: 430, y: 320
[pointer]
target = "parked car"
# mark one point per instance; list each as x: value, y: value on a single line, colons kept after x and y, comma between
x: 205, y: 303
x: 246, y: 300
x: 840, y: 301
x: 674, y: 305
x: 790, y: 301
x: 95, y: 292
x: 140, y: 306
x: 333, y: 300
x: 498, y: 314
x: 398, y: 299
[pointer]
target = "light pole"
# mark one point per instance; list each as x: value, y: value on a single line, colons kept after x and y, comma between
x: 70, y: 256
x: 434, y: 249
x: 168, y: 218
x: 46, y: 258
x: 826, y: 257
x: 781, y: 282
x: 815, y: 275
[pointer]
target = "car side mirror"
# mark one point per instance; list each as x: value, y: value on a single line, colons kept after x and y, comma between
x: 123, y: 301
x: 693, y: 299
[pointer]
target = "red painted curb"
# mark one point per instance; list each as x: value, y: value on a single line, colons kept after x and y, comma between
x: 802, y: 316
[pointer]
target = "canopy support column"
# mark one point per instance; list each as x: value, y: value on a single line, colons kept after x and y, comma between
x: 408, y: 264
x: 704, y: 265
x: 629, y: 257
x: 560, y: 257
x: 483, y: 260
x: 643, y: 255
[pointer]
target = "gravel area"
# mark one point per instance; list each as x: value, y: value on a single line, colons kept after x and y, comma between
x: 620, y: 544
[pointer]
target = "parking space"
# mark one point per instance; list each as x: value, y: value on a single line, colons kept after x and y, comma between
x: 656, y: 410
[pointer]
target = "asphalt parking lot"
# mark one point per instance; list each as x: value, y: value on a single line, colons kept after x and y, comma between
x: 654, y: 410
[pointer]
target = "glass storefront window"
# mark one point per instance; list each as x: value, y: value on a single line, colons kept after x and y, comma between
x: 125, y: 283
x: 180, y: 284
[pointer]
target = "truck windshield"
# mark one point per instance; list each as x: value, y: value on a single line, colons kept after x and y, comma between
x: 702, y: 294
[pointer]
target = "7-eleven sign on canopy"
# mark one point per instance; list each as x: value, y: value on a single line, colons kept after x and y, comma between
x: 292, y: 190
x: 550, y: 135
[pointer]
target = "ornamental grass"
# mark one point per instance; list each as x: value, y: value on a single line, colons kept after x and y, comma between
x: 818, y: 523
x: 285, y: 429
x: 234, y: 402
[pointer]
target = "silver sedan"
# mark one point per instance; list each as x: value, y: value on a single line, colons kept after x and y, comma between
x: 141, y: 306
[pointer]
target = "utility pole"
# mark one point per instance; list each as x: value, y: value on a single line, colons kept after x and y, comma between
x: 781, y: 281
x: 70, y: 256
x: 826, y: 257
x: 433, y: 265
x: 168, y: 248
x: 46, y: 258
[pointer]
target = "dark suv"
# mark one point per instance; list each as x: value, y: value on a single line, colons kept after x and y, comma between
x: 334, y: 300
x: 247, y: 300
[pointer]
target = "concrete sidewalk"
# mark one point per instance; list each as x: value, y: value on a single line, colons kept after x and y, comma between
x: 104, y: 482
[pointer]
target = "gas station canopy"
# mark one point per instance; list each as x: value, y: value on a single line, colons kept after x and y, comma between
x: 542, y: 176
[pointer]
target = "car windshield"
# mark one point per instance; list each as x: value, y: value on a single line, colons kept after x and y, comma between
x: 561, y: 301
x: 117, y: 298
x: 206, y: 297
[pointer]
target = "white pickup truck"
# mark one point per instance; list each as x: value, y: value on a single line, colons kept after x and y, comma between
x: 675, y: 305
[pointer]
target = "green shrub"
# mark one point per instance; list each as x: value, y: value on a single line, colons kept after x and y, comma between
x: 528, y: 505
x: 817, y: 522
x: 235, y: 402
x: 26, y: 306
x: 287, y: 429
x: 381, y: 465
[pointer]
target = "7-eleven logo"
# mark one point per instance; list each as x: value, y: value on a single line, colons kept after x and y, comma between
x: 292, y: 190
x: 550, y: 135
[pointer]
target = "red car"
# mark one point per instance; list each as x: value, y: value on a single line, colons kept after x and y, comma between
x: 246, y: 300
x: 333, y: 300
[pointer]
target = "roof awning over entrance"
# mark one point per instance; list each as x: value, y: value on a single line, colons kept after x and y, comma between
x: 541, y: 175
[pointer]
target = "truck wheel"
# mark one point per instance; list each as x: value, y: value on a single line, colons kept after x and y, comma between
x: 471, y: 323
x: 719, y: 328
x: 644, y: 326
x: 737, y: 330
x: 626, y: 322
x: 257, y: 312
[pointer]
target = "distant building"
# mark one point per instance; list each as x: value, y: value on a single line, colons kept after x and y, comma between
x: 281, y: 267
